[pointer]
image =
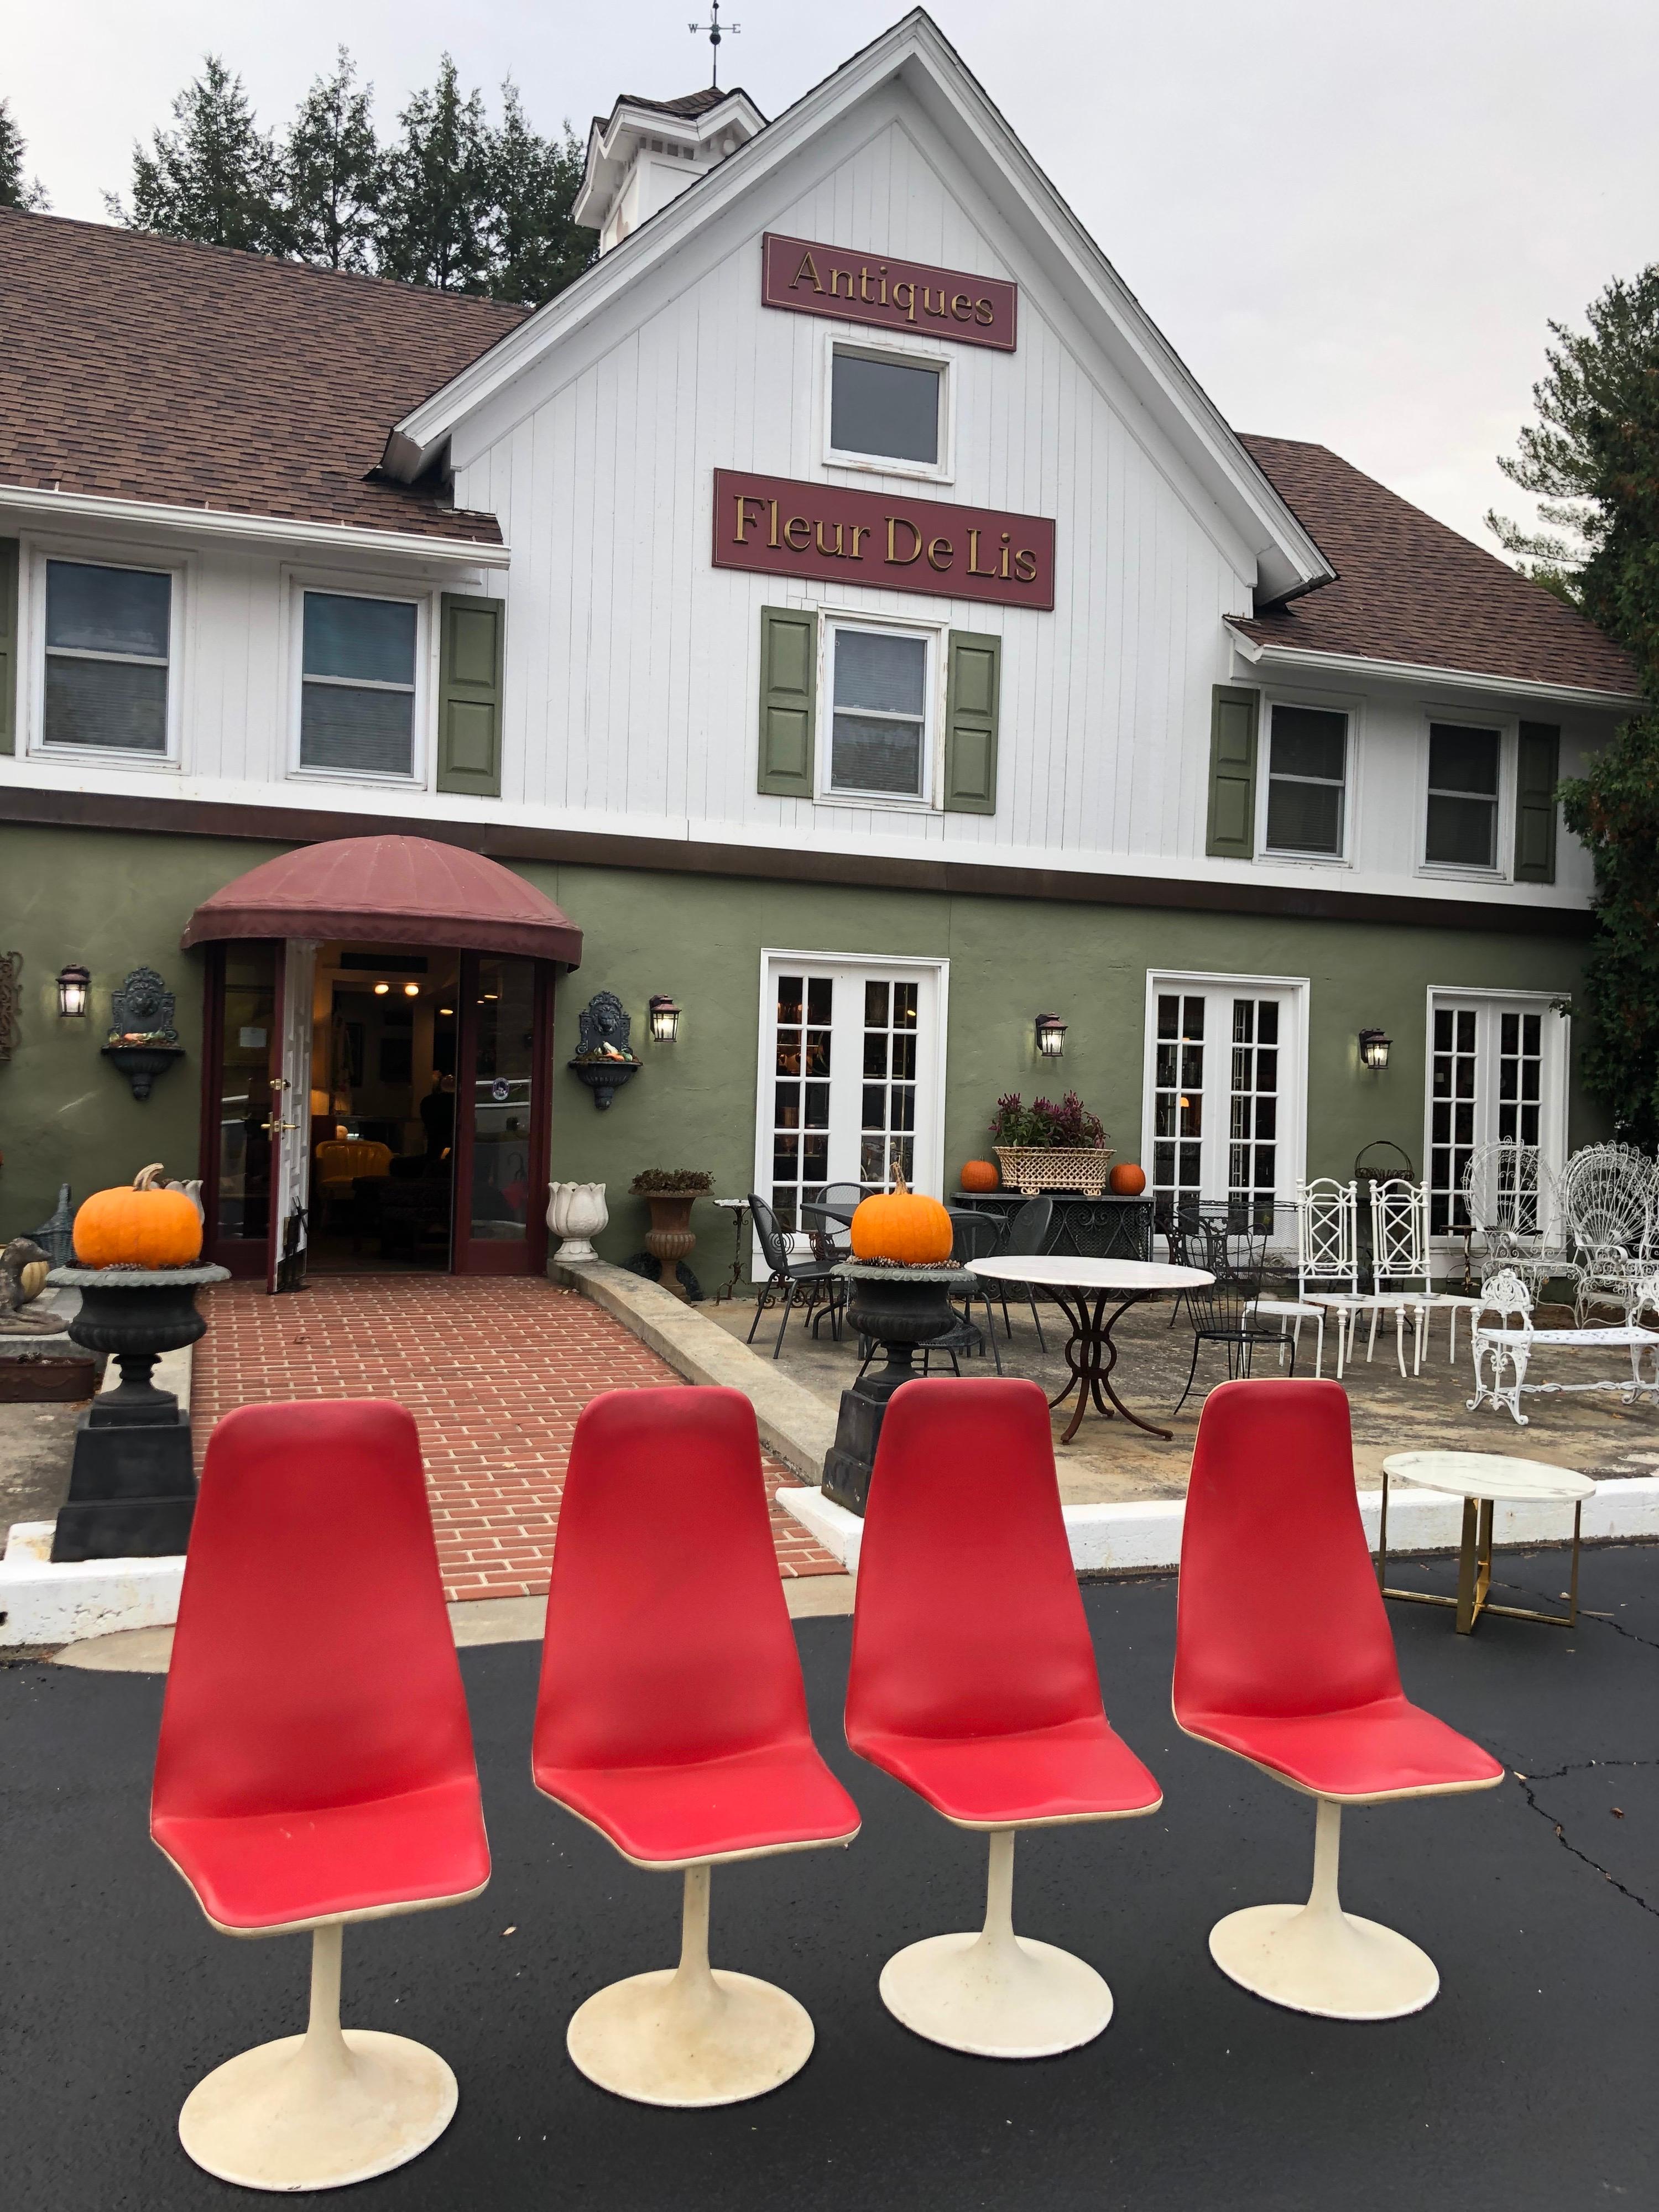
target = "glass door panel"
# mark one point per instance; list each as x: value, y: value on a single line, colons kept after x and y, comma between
x: 1219, y: 1098
x: 240, y: 1028
x: 1495, y: 1076
x: 501, y: 1150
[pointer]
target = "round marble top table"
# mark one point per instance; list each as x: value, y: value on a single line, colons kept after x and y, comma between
x: 1082, y: 1289
x: 1481, y: 1480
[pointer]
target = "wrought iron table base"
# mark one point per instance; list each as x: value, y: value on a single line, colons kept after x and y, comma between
x: 1091, y: 1354
x: 1474, y: 1569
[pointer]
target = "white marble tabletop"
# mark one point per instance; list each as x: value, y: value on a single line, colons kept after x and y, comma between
x: 1486, y: 1474
x: 1055, y: 1272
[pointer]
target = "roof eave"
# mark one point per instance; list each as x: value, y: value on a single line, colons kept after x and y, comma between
x: 227, y: 523
x: 1260, y: 653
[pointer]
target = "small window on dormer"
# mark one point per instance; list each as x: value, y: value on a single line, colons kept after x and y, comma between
x: 887, y: 408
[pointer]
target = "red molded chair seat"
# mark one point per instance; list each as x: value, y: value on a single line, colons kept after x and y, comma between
x: 974, y: 1682
x: 315, y: 1766
x: 266, y: 1871
x: 1283, y: 1656
x: 1076, y: 1770
x: 672, y: 1715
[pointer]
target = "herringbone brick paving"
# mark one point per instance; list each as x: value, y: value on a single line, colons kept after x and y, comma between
x: 494, y: 1371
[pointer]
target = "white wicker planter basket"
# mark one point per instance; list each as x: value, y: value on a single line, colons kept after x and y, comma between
x: 1029, y: 1168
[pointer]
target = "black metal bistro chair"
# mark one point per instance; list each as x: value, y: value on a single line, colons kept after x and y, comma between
x: 1220, y: 1311
x: 973, y: 1236
x: 789, y: 1277
x: 1025, y: 1235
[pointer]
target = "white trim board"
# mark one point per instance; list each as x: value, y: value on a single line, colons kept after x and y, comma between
x: 1143, y: 1535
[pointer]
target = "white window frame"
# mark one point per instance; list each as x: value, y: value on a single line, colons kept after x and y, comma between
x: 296, y: 583
x: 1350, y: 710
x: 1292, y: 1139
x: 38, y: 552
x: 931, y: 798
x: 908, y: 357
x: 1554, y: 1085
x: 929, y: 1132
x: 1502, y: 868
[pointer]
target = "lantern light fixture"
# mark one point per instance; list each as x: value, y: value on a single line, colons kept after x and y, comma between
x: 74, y: 982
x: 1050, y: 1036
x: 1374, y: 1048
x: 664, y: 1019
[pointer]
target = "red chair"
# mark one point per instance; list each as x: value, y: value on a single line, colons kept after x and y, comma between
x: 974, y: 1683
x: 1283, y: 1655
x: 672, y: 1717
x: 315, y: 1766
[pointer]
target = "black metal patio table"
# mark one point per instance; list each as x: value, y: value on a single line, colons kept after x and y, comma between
x: 1103, y: 1227
x: 1082, y: 1289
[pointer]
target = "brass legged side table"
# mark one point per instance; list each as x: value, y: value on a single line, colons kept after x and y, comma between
x: 1483, y: 1480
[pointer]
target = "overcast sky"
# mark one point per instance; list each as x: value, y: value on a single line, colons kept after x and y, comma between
x: 1352, y: 221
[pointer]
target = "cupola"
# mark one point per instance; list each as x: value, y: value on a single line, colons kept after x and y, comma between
x: 647, y: 152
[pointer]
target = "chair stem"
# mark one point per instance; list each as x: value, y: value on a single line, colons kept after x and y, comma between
x: 694, y: 1921
x: 999, y: 1929
x: 323, y: 2054
x: 1328, y: 1852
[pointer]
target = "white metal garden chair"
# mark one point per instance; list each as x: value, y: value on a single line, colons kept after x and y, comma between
x: 1401, y: 1271
x: 1327, y: 1256
x: 1510, y: 1206
x: 1507, y: 1349
x: 1607, y: 1198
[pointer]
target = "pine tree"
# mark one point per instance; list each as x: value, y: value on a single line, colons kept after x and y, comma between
x: 435, y: 213
x: 1594, y: 457
x: 536, y: 250
x: 332, y: 174
x: 215, y: 179
x: 14, y: 191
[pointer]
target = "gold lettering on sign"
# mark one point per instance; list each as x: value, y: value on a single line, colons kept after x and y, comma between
x: 940, y: 553
x: 895, y: 523
x: 1026, y: 565
x: 974, y: 568
x: 906, y: 305
x: 798, y: 544
x: 772, y: 539
x: 859, y: 529
x: 836, y: 277
x: 746, y: 521
x: 830, y: 552
x: 963, y: 307
x: 984, y: 312
x: 928, y: 306
x: 808, y: 268
x: 1003, y: 570
x: 883, y: 284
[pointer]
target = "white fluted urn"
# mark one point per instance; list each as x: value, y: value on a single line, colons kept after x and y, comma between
x: 576, y: 1213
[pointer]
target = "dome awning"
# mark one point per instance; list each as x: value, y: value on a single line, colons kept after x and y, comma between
x: 389, y: 890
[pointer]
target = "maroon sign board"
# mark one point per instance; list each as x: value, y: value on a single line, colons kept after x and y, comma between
x: 914, y: 296
x: 779, y: 527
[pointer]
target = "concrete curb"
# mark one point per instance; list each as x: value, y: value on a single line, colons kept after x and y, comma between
x: 1145, y: 1534
x: 794, y: 1426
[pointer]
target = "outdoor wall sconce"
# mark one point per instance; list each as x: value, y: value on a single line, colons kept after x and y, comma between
x: 1050, y: 1036
x: 664, y: 1019
x: 1374, y: 1048
x: 74, y: 983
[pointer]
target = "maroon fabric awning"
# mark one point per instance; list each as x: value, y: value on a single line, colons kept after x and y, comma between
x: 389, y: 890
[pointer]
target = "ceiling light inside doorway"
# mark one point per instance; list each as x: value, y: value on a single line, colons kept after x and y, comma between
x: 380, y: 989
x: 411, y: 990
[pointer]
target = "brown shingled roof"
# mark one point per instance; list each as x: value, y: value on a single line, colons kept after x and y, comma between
x: 138, y: 367
x: 1409, y: 589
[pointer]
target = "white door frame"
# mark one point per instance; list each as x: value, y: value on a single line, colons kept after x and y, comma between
x: 290, y: 1113
x: 1293, y: 1094
x: 1554, y: 1085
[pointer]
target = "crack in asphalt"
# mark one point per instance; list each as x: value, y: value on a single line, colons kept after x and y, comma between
x: 1596, y: 1620
x: 1582, y: 1767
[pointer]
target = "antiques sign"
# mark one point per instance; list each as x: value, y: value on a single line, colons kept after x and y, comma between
x: 893, y: 295
x: 781, y: 527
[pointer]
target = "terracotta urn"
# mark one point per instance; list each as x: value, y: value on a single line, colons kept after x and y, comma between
x: 576, y: 1211
x: 670, y: 1236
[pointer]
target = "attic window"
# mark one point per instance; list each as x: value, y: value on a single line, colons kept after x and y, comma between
x: 885, y: 408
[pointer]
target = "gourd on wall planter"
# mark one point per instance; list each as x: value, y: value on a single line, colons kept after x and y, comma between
x: 904, y: 1226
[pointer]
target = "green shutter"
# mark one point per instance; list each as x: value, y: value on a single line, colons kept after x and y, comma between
x: 1232, y: 774
x: 7, y: 644
x: 972, y: 696
x: 472, y: 634
x: 1538, y: 769
x: 788, y: 700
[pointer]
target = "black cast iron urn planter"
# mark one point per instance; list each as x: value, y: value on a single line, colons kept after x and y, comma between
x: 900, y: 1309
x: 133, y: 1488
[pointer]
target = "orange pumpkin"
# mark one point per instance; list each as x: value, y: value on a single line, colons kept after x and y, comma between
x: 979, y: 1175
x: 143, y: 1227
x: 1127, y: 1180
x: 902, y: 1226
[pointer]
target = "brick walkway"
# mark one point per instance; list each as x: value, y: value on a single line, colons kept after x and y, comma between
x: 495, y: 1372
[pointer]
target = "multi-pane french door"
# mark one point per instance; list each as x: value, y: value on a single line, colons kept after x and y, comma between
x: 1224, y: 1093
x: 850, y: 1079
x: 1497, y: 1074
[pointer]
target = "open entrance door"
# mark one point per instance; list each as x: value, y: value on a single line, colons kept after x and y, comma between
x: 290, y: 1118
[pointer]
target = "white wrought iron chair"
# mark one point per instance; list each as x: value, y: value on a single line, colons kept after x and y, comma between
x: 1606, y: 1196
x: 1508, y: 1203
x: 1403, y: 1270
x: 1506, y: 1348
x: 1326, y: 1267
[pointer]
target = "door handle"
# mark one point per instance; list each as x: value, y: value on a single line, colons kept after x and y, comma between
x: 277, y: 1129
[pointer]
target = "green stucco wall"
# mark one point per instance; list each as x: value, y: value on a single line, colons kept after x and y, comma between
x: 116, y: 900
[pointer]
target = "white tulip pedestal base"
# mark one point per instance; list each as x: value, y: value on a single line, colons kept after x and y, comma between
x: 995, y: 1994
x: 321, y: 2109
x: 1315, y: 1958
x: 691, y: 2035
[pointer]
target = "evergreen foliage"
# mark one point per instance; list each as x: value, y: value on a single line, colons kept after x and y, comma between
x: 16, y: 189
x: 1593, y: 456
x: 452, y: 201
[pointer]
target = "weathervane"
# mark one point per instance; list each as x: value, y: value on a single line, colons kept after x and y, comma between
x: 715, y: 34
